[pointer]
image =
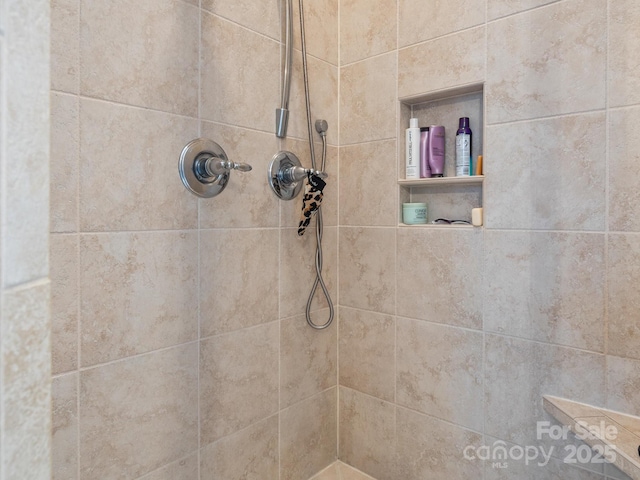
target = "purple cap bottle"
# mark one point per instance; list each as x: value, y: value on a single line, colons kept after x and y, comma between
x: 463, y: 148
x: 425, y: 169
x: 436, y: 150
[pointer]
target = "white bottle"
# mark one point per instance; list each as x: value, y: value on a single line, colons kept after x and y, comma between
x: 412, y: 163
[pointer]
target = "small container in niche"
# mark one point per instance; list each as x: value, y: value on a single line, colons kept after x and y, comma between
x: 414, y: 213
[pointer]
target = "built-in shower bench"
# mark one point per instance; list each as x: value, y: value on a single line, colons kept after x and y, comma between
x: 604, y: 430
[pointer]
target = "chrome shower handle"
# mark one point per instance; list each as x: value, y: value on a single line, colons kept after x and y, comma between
x: 294, y: 173
x: 208, y: 165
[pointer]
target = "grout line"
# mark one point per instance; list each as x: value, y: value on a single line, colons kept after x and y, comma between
x: 199, y: 230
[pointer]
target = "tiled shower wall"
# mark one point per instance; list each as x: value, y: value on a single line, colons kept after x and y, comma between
x: 449, y: 337
x: 180, y: 348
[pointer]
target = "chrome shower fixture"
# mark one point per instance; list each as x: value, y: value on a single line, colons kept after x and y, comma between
x: 282, y: 113
x: 205, y: 168
x: 286, y: 175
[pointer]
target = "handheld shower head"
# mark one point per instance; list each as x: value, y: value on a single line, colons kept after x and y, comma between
x: 321, y: 127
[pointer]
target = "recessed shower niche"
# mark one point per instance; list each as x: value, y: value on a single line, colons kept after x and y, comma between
x: 448, y: 197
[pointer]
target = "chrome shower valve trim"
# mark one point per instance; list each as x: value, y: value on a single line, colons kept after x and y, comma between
x: 205, y: 168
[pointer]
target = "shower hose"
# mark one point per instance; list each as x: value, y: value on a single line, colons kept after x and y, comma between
x: 321, y: 128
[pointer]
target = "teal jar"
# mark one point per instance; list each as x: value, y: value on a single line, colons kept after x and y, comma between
x: 414, y: 213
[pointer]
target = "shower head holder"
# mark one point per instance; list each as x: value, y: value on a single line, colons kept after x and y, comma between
x: 205, y: 168
x: 286, y: 175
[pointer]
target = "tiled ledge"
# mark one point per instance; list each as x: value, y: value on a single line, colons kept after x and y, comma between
x: 596, y: 426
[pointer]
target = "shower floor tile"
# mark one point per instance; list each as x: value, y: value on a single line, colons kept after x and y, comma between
x: 341, y: 471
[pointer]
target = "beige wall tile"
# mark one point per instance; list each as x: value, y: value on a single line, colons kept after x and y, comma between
x: 65, y: 45
x: 238, y: 380
x: 442, y: 63
x: 440, y: 275
x: 238, y: 279
x: 308, y: 436
x: 367, y: 180
x: 321, y: 26
x: 323, y: 94
x: 439, y: 371
x: 308, y: 358
x: 128, y: 172
x: 367, y: 434
x: 546, y: 286
x: 298, y: 272
x: 624, y: 50
x: 65, y: 299
x: 553, y: 63
x: 235, y: 87
x: 429, y: 448
x: 517, y: 374
x: 64, y: 163
x: 623, y: 274
x: 250, y: 454
x: 420, y: 20
x: 26, y: 381
x: 368, y: 100
x: 183, y: 469
x: 367, y: 29
x: 120, y: 407
x: 262, y: 17
x: 623, y: 385
x: 367, y: 268
x: 502, y: 8
x: 64, y: 428
x: 247, y: 200
x: 624, y: 142
x: 142, y: 53
x: 367, y: 352
x: 138, y: 293
x: 552, y: 171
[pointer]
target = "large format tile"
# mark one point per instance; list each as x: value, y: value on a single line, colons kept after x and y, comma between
x: 367, y: 352
x: 546, y: 286
x: 623, y: 275
x: 517, y: 374
x: 368, y: 100
x: 65, y: 45
x: 234, y: 87
x: 367, y: 433
x: 624, y: 195
x: 64, y: 427
x: 503, y: 8
x: 547, y: 61
x: 308, y: 358
x: 138, y: 293
x: 238, y: 279
x: 440, y: 275
x: 366, y: 29
x: 439, y: 371
x: 366, y: 171
x: 553, y: 171
x: 183, y: 469
x: 64, y: 163
x: 420, y: 21
x: 428, y: 448
x: 238, y: 380
x: 142, y: 53
x: 120, y: 407
x: 247, y: 200
x: 128, y: 171
x: 308, y: 437
x: 262, y: 17
x: 623, y: 385
x: 298, y: 272
x: 250, y: 454
x: 624, y: 51
x: 65, y: 298
x: 367, y: 268
x: 321, y: 26
x: 442, y: 63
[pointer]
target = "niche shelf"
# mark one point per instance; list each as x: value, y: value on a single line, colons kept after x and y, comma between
x: 449, y: 196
